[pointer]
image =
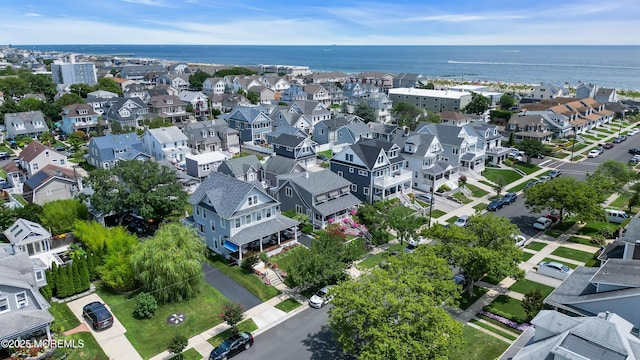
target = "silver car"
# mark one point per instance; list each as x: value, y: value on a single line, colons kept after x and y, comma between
x: 321, y: 297
x: 554, y: 269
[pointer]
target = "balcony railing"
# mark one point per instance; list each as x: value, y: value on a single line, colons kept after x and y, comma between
x: 393, y: 179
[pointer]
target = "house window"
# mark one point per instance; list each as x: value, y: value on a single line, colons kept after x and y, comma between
x: 340, y: 174
x: 247, y: 219
x: 365, y: 190
x: 21, y: 300
x: 253, y: 200
x: 268, y: 212
x: 288, y: 191
x: 362, y: 173
x: 213, y: 226
x: 455, y: 151
x: 223, y: 223
x: 197, y: 210
x: 4, y: 305
x: 354, y: 187
x: 380, y: 159
x: 258, y: 215
x: 48, y: 191
x: 351, y: 170
x: 204, y: 213
x: 348, y: 157
x: 237, y: 223
x: 299, y: 209
x: 39, y: 275
x: 201, y: 228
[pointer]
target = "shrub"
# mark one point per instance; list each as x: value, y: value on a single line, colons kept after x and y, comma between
x: 178, y: 344
x: 307, y: 229
x: 463, y: 179
x: 145, y: 307
x: 232, y: 313
x: 247, y: 264
x: 444, y: 188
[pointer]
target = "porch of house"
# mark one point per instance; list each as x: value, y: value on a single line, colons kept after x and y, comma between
x: 271, y: 245
x: 390, y: 186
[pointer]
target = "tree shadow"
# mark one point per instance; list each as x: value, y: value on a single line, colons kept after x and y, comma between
x: 323, y: 346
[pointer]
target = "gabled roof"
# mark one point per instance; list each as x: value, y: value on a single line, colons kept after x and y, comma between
x: 249, y: 114
x: 279, y: 165
x: 23, y: 231
x: 288, y: 140
x: 132, y: 105
x: 73, y: 110
x: 317, y: 182
x: 34, y: 149
x: 369, y: 150
x: 167, y: 135
x: 446, y: 134
x: 27, y: 119
x: 224, y: 193
x: 335, y: 123
x: 161, y: 101
x: 422, y: 142
x: 48, y: 173
x: 240, y: 165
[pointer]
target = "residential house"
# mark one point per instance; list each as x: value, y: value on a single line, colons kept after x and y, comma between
x: 244, y: 168
x: 605, y: 336
x: 138, y: 72
x: 422, y: 153
x: 23, y: 310
x: 168, y: 107
x: 126, y: 113
x: 230, y: 137
x: 230, y: 101
x: 28, y: 237
x: 560, y: 120
x: 326, y: 77
x: 353, y: 90
x: 381, y: 106
x: 275, y: 165
x: 375, y: 168
x: 431, y: 100
x: 198, y: 100
x: 214, y: 86
x: 284, y: 117
x: 490, y: 139
x: 239, y: 219
x: 98, y: 100
x: 201, y: 165
x: 105, y: 151
x: 202, y: 137
x: 408, y: 80
x: 312, y: 110
x: 456, y: 118
x: 325, y: 132
x: 137, y: 91
x: 548, y: 91
x: 266, y: 95
x: 293, y: 93
x: 245, y: 83
x: 251, y: 123
x: 336, y: 94
x: 290, y: 70
x: 323, y: 196
x: 162, y: 89
x: 301, y: 149
x: 317, y: 92
x: 353, y: 132
x: 274, y: 83
x: 51, y: 183
x: 36, y: 156
x: 285, y: 129
x: 384, y: 132
x: 167, y: 143
x: 460, y: 145
x: 178, y: 81
x: 604, y: 95
x: 584, y: 90
x: 528, y: 127
x: 79, y: 117
x: 179, y: 68
x: 25, y: 124
x: 377, y: 79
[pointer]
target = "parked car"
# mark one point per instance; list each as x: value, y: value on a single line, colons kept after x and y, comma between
x: 554, y: 174
x: 232, y: 346
x: 531, y: 183
x: 537, y: 156
x: 623, y: 137
x: 412, y: 245
x: 5, y: 184
x: 495, y: 205
x: 62, y: 137
x: 459, y: 279
x: 462, y: 221
x: 634, y: 151
x: 633, y: 132
x: 617, y: 140
x: 4, y: 155
x: 97, y: 315
x: 607, y: 146
x: 509, y: 198
x: 542, y: 223
x: 635, y: 159
x: 544, y: 179
x: 593, y: 154
x: 321, y: 297
x: 426, y: 197
x: 599, y: 149
x: 554, y: 269
x: 553, y: 217
x: 323, y: 157
x: 519, y: 239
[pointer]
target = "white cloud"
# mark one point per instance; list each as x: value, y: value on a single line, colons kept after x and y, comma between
x: 149, y: 2
x: 31, y: 14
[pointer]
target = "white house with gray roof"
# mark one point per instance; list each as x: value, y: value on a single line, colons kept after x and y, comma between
x: 28, y: 237
x: 323, y: 196
x: 105, y: 151
x: 23, y: 310
x: 25, y: 124
x: 238, y: 219
x: 460, y: 145
x: 126, y: 113
x: 244, y: 168
x: 201, y: 165
x: 167, y: 143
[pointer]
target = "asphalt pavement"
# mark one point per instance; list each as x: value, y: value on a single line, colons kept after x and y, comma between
x: 229, y: 288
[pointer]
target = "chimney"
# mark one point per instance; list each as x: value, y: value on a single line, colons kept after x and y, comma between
x: 306, y: 174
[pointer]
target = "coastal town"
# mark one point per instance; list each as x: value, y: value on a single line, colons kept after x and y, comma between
x: 168, y: 210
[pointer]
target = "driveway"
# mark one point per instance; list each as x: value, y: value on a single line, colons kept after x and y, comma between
x: 229, y: 288
x: 111, y: 340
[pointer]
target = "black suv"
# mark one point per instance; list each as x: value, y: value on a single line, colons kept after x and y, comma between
x: 97, y: 315
x: 232, y: 346
x: 634, y: 151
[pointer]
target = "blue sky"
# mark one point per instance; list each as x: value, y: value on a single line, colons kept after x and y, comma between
x: 281, y: 22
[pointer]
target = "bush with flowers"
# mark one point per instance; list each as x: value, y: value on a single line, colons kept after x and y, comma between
x: 503, y: 320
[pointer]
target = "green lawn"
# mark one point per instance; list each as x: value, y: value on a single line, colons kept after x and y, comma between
x: 553, y: 233
x: 436, y: 213
x: 476, y: 191
x: 498, y: 324
x: 493, y: 175
x: 583, y: 241
x: 572, y: 254
x: 577, y: 158
x: 560, y: 261
x: 621, y: 201
x: 536, y: 245
x: 152, y: 336
x: 525, y: 286
x: 526, y: 168
x: 288, y: 305
x: 376, y: 259
x: 466, y: 300
x: 285, y: 260
x: 488, y: 183
x: 478, y: 346
x: 246, y: 326
x: 327, y: 153
x: 565, y: 225
x: 250, y: 281
x: 518, y: 187
x: 63, y: 316
x: 510, y: 307
x: 594, y: 227
x: 526, y: 256
x: 560, y: 155
x: 492, y: 280
x: 493, y: 329
x: 90, y: 351
x: 191, y: 354
x: 463, y: 199
x: 579, y: 147
x: 480, y: 206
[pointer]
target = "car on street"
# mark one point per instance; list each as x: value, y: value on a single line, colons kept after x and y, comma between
x: 412, y: 245
x: 97, y: 315
x: 600, y: 149
x: 542, y: 223
x: 495, y: 205
x: 593, y: 154
x: 425, y: 197
x: 537, y: 156
x: 462, y: 221
x: 544, y: 179
x: 617, y: 140
x: 607, y: 146
x: 519, y: 239
x: 634, y: 151
x: 531, y: 183
x: 554, y: 174
x: 554, y: 269
x: 623, y: 137
x: 321, y: 297
x: 4, y: 155
x: 509, y: 198
x: 633, y: 132
x: 232, y: 346
x: 635, y: 159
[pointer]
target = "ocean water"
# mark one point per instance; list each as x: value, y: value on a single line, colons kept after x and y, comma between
x: 608, y: 66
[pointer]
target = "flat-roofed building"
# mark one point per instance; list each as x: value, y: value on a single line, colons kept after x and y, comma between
x: 432, y: 100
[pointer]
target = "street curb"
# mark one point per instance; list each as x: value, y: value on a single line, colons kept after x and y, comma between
x: 288, y: 316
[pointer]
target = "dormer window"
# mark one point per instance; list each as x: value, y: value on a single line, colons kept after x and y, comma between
x: 253, y: 200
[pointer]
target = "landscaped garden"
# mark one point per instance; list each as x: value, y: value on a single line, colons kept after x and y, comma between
x: 536, y: 245
x: 476, y: 191
x: 598, y: 227
x: 436, y: 213
x: 494, y: 175
x: 288, y: 305
x: 526, y: 168
x: 478, y: 346
x: 284, y: 260
x: 525, y: 286
x: 573, y: 254
x: 250, y: 281
x: 507, y: 307
x: 376, y: 259
x: 493, y: 329
x: 582, y: 240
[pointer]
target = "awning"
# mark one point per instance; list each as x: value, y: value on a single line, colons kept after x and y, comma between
x: 230, y: 246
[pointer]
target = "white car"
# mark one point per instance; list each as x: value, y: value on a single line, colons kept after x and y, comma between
x: 519, y: 239
x: 593, y: 154
x: 321, y: 297
x: 633, y: 132
x: 462, y: 221
x: 554, y: 269
x: 542, y: 223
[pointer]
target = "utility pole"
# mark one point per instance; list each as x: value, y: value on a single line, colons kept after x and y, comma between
x: 575, y: 138
x: 433, y: 188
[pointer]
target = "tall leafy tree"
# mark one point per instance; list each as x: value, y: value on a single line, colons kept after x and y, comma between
x: 116, y: 270
x: 396, y: 312
x: 196, y: 80
x: 507, y: 101
x: 60, y: 216
x: 253, y: 97
x: 365, y: 111
x: 531, y: 147
x: 404, y: 222
x: 108, y: 84
x: 406, y: 114
x: 169, y: 265
x: 147, y: 186
x: 565, y: 195
x: 610, y: 177
x: 479, y: 104
x: 31, y: 212
x: 81, y: 89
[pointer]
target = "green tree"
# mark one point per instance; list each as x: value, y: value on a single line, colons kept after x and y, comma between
x: 253, y: 97
x: 499, y: 185
x: 365, y: 111
x: 7, y: 217
x: 116, y: 270
x: 169, y: 265
x: 565, y: 195
x: 634, y: 200
x: 507, y: 101
x: 197, y: 79
x: 532, y: 303
x: 485, y: 247
x: 108, y: 84
x: 479, y: 104
x: 236, y: 70
x: 406, y: 114
x: 31, y: 104
x: 14, y: 86
x: 60, y: 216
x: 31, y: 212
x: 85, y: 277
x: 232, y: 314
x: 77, y: 280
x: 610, y: 177
x: 396, y: 312
x: 531, y: 147
x: 146, y: 306
x: 177, y: 345
x: 404, y: 222
x: 147, y: 186
x: 81, y: 89
x: 41, y: 84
